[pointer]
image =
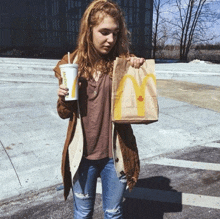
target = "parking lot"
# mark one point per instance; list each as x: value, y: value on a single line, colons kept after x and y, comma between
x: 180, y: 168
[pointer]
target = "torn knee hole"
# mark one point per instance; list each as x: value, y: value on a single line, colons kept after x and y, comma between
x: 123, y: 180
x: 112, y: 210
x: 81, y: 195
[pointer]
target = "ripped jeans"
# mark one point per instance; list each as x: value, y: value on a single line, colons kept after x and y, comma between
x: 84, y: 189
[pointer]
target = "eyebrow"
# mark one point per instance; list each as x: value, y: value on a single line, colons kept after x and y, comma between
x: 106, y: 29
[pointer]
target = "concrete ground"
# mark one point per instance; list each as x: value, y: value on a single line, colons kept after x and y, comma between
x: 180, y: 170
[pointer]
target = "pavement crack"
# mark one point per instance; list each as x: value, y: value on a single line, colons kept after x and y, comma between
x: 11, y: 162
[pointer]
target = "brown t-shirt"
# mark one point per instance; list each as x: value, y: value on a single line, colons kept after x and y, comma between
x: 95, y: 109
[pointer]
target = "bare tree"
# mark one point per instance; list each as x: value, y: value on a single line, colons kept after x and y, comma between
x: 159, y: 27
x: 191, y: 20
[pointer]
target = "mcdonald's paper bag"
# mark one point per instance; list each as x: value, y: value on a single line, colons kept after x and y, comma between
x: 134, y: 95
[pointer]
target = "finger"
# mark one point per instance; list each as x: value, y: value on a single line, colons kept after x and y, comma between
x: 63, y: 87
x: 142, y: 60
x: 132, y: 61
x: 62, y: 92
x: 137, y: 64
x: 59, y: 93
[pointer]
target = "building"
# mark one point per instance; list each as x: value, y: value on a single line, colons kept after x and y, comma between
x: 42, y: 26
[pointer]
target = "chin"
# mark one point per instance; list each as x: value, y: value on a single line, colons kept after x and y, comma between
x: 104, y: 52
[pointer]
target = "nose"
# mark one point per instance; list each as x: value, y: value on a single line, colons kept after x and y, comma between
x: 110, y: 38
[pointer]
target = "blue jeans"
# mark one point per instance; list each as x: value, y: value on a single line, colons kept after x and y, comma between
x: 84, y: 189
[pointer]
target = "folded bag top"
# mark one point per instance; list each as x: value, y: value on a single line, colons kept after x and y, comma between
x: 134, y: 94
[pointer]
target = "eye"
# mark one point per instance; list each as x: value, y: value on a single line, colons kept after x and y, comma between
x: 104, y: 33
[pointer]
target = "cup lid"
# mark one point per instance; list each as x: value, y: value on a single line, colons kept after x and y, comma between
x: 69, y: 65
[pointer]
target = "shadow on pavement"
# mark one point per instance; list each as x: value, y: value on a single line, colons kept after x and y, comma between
x: 150, y: 199
x: 153, y: 207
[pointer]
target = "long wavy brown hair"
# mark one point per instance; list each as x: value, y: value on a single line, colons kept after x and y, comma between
x: 88, y: 59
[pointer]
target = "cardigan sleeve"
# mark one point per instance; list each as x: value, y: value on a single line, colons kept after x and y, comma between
x: 65, y: 109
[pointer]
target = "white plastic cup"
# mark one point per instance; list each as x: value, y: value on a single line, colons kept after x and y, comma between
x: 69, y: 73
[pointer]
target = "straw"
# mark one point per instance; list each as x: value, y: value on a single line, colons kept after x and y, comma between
x: 69, y: 57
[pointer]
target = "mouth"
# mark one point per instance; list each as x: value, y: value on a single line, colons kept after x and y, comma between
x: 107, y: 47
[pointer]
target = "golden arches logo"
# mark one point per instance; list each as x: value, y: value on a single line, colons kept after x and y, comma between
x: 74, y: 88
x: 139, y: 92
x: 65, y: 81
x: 73, y: 94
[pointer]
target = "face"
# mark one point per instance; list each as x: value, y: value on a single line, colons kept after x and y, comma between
x: 105, y: 35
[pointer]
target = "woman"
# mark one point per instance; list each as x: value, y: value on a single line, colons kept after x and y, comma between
x: 106, y: 150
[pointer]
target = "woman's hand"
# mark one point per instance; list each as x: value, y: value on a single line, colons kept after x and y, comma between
x: 62, y: 91
x: 136, y: 62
